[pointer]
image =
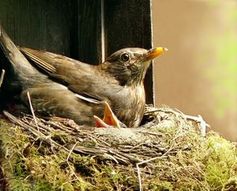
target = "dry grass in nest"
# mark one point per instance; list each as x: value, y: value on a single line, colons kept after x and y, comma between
x: 167, y: 153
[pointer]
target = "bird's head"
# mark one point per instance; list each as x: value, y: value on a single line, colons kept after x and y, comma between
x: 129, y: 65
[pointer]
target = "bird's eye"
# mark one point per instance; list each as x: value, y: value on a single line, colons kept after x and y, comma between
x: 125, y: 57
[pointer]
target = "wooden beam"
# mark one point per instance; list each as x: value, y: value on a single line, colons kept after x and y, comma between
x: 128, y: 24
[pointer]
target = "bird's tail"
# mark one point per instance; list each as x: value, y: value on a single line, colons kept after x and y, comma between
x: 16, y: 59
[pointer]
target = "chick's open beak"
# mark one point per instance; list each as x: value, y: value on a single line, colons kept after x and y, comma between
x: 155, y: 52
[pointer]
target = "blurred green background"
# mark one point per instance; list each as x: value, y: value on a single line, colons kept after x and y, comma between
x: 198, y: 75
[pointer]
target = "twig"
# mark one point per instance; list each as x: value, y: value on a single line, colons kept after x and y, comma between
x: 202, y: 124
x: 57, y: 126
x: 146, y: 161
x: 36, y: 133
x: 149, y: 160
x: 68, y: 156
x: 32, y: 110
x: 198, y: 119
x: 2, y: 77
x: 70, y: 152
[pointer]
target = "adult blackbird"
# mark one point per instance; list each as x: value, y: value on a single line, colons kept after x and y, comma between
x: 48, y: 97
x: 118, y: 80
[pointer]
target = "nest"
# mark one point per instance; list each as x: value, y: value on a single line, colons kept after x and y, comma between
x: 168, y: 152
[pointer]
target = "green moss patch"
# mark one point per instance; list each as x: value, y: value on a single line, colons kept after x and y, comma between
x: 171, y: 155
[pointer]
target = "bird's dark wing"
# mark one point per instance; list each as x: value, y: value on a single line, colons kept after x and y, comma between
x: 79, y: 77
x: 43, y: 63
x: 54, y: 99
x: 56, y: 65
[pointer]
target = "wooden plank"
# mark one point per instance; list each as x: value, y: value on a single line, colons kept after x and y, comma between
x: 128, y: 24
x: 89, y: 31
x: 37, y: 24
x: 67, y: 27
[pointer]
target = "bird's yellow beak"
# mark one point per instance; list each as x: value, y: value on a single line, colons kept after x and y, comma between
x: 155, y: 52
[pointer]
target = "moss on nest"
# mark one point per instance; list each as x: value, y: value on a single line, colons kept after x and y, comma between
x: 185, y: 161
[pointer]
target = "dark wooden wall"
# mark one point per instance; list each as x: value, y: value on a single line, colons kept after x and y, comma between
x: 128, y: 24
x: 73, y: 27
x: 67, y: 27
